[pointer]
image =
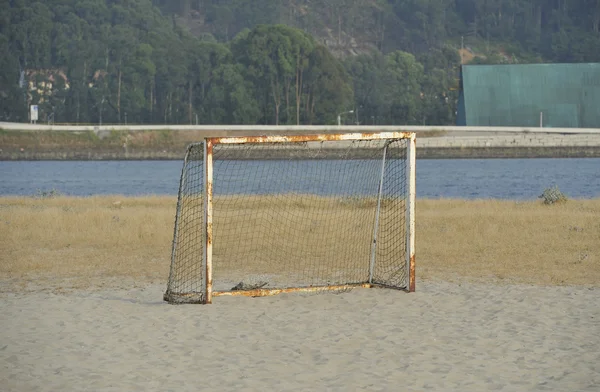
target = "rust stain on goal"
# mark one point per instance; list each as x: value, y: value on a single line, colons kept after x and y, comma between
x: 311, y: 138
x: 269, y: 292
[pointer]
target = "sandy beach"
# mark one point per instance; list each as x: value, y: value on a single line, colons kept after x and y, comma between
x: 445, y: 337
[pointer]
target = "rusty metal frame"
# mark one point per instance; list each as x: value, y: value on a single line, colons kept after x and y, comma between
x: 208, y: 208
x: 311, y: 138
x: 208, y: 217
x: 410, y: 210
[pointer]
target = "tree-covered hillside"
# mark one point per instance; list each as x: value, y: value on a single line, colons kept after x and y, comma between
x: 555, y: 30
x: 270, y: 61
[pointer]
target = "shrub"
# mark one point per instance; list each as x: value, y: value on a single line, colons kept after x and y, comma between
x: 52, y: 193
x: 553, y: 195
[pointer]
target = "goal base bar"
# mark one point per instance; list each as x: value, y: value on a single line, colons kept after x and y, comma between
x: 196, y: 298
x: 311, y: 289
x: 269, y: 292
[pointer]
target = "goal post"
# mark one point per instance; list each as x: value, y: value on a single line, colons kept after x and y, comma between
x: 264, y: 215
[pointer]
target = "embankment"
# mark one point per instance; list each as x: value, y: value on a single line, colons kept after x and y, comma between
x: 510, y: 146
x: 167, y: 144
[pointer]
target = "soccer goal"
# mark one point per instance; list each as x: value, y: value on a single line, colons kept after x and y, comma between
x: 264, y: 215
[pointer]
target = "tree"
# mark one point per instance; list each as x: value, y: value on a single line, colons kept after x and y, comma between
x: 12, y: 96
x: 328, y: 88
x: 275, y: 57
x: 368, y: 77
x: 403, y: 75
x: 203, y: 59
x: 230, y: 96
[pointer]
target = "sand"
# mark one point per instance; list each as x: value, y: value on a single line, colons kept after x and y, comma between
x: 445, y: 337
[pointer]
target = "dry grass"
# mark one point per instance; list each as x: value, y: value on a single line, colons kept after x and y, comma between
x: 81, y: 241
x: 518, y: 241
x: 327, y: 239
x: 85, y: 238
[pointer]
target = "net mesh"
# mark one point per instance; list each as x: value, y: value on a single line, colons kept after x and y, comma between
x: 293, y: 215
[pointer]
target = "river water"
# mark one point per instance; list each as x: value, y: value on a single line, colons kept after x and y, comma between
x: 513, y: 179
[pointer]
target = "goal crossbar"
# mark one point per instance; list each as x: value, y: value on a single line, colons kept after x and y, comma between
x: 208, y: 198
x: 311, y: 138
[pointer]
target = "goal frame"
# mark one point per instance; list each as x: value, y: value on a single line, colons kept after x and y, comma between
x: 207, y: 256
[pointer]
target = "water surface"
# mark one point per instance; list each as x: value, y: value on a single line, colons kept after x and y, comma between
x: 514, y: 179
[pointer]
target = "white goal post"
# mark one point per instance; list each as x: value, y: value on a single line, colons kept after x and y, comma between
x: 263, y: 215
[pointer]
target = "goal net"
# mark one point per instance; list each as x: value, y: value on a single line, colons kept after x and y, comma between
x: 264, y: 215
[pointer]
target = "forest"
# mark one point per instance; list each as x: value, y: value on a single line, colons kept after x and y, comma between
x: 270, y: 61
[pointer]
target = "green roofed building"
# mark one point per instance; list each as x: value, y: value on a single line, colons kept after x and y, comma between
x: 525, y: 95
